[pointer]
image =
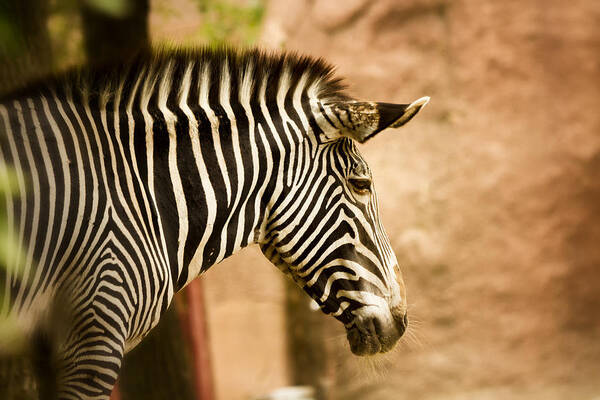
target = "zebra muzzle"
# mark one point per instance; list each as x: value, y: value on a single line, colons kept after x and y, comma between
x: 374, y: 334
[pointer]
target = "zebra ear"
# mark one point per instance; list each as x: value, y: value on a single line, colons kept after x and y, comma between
x: 363, y: 120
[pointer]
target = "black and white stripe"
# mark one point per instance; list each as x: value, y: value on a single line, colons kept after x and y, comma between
x: 133, y: 180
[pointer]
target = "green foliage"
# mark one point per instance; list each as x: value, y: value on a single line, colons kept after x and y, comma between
x: 8, y: 36
x: 10, y: 257
x: 113, y: 8
x: 228, y: 22
x: 9, y: 253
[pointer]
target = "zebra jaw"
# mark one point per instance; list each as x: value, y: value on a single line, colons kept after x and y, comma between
x: 374, y: 328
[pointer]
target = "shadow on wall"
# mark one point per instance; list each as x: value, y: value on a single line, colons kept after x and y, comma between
x: 579, y: 288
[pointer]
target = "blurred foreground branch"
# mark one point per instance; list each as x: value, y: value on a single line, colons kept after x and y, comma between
x: 114, y: 29
x: 25, y: 49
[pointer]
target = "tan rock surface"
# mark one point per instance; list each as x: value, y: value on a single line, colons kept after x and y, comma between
x: 492, y: 195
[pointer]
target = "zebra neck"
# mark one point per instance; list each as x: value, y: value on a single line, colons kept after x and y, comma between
x: 211, y: 169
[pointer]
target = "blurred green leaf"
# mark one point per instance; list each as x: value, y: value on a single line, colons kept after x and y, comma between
x: 227, y: 22
x: 9, y: 37
x: 8, y: 180
x: 9, y: 251
x: 114, y: 8
x: 10, y: 254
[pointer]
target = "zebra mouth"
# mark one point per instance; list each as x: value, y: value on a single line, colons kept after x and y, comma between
x: 370, y: 336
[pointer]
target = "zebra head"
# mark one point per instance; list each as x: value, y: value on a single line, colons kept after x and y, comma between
x: 327, y: 234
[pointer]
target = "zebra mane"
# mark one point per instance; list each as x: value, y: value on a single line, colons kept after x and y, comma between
x: 99, y: 82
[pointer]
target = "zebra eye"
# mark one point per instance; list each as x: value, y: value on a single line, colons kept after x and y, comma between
x: 360, y: 185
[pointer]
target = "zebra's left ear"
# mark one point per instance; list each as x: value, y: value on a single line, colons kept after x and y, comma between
x: 363, y: 120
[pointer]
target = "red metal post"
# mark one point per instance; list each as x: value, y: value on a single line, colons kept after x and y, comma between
x: 115, y: 395
x: 199, y: 340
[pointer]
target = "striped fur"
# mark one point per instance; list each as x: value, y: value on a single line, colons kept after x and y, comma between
x: 134, y: 179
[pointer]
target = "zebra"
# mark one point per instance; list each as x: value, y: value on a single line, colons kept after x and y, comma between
x: 133, y: 179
